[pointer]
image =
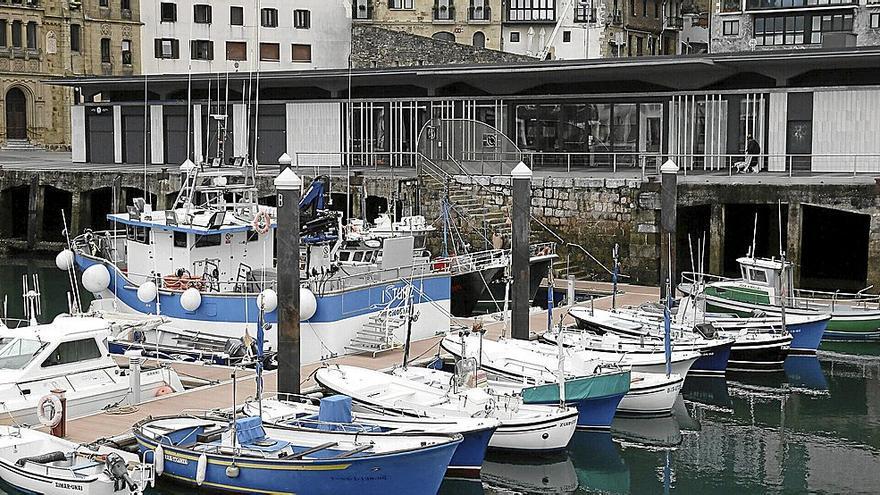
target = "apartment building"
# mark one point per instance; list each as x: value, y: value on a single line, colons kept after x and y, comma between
x: 40, y: 39
x: 469, y: 22
x: 242, y: 35
x: 744, y: 25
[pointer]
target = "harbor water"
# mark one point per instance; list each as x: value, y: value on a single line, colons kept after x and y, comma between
x: 812, y: 428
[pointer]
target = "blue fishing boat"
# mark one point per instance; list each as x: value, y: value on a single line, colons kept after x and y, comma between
x: 245, y: 456
x: 207, y: 265
x: 335, y: 413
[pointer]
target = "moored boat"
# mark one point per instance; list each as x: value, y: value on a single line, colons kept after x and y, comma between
x: 761, y: 287
x: 36, y: 462
x: 523, y: 426
x: 335, y: 414
x: 245, y: 456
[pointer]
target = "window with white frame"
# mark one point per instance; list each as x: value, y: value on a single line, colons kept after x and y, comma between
x: 302, y: 19
x: 731, y: 28
x: 400, y: 4
x: 269, y: 18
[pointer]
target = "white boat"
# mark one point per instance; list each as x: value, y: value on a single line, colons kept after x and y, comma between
x: 36, y: 462
x: 513, y: 365
x: 523, y: 427
x: 69, y: 354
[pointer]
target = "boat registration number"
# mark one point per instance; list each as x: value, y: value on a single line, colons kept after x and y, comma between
x: 175, y: 459
x: 68, y: 486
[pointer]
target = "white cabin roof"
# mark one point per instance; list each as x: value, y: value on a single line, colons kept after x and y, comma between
x: 194, y: 220
x: 770, y: 264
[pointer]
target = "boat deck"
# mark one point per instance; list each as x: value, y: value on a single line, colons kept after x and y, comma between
x: 219, y: 394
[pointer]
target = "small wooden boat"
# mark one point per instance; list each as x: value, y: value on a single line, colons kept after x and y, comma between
x: 336, y: 413
x: 36, y: 462
x: 244, y: 456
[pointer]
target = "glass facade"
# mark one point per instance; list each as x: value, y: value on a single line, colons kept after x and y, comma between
x: 787, y: 4
x: 801, y: 28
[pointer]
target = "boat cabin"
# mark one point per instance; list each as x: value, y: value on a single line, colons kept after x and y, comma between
x: 213, y: 246
x: 67, y: 353
x: 764, y: 272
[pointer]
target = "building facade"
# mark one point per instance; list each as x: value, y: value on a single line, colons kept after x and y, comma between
x: 468, y: 22
x: 743, y: 25
x: 40, y: 39
x: 238, y: 35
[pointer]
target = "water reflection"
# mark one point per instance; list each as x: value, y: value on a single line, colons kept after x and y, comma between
x: 598, y: 463
x: 541, y: 474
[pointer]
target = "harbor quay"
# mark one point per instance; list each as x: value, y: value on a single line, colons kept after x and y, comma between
x: 593, y: 209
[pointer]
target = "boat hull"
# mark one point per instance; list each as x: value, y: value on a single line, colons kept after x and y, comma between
x: 415, y: 472
x: 466, y: 289
x: 714, y: 360
x: 764, y: 356
x: 655, y: 399
x: 862, y: 326
x: 596, y: 398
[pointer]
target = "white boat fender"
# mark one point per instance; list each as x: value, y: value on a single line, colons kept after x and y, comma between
x: 201, y: 469
x: 49, y: 410
x: 232, y: 471
x: 159, y: 460
x: 191, y: 299
x: 64, y: 260
x: 96, y: 278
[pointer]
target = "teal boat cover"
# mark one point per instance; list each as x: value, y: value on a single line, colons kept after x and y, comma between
x: 581, y: 388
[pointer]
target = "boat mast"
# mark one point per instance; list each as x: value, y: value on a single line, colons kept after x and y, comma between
x: 409, y: 319
x: 614, y: 270
x: 782, y: 274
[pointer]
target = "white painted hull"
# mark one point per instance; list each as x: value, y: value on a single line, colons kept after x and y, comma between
x: 651, y: 394
x: 524, y: 427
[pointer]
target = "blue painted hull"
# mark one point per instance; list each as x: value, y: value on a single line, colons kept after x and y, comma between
x: 806, y: 337
x: 413, y: 472
x: 469, y: 455
x: 593, y: 413
x: 713, y: 361
x: 242, y: 308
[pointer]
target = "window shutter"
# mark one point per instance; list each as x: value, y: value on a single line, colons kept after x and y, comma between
x: 210, y: 50
x: 158, y: 45
x: 175, y: 48
x: 193, y: 49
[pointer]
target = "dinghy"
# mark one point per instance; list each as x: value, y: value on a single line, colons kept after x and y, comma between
x: 598, y: 389
x: 36, y: 462
x: 335, y: 413
x: 523, y: 426
x: 243, y: 455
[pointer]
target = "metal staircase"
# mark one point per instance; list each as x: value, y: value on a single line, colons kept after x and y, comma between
x: 377, y: 334
x: 188, y: 188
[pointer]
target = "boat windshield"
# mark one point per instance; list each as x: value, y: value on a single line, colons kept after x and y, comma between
x: 17, y: 353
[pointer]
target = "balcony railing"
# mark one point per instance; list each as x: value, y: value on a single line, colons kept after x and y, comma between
x: 480, y: 14
x: 444, y: 14
x: 675, y: 23
x: 796, y: 4
x: 362, y: 10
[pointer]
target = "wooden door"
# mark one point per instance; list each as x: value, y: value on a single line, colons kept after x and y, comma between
x: 16, y: 114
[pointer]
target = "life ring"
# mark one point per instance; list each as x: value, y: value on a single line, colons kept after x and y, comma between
x: 262, y: 223
x: 51, y: 418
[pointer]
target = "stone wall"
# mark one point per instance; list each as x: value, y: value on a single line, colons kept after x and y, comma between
x: 593, y: 213
x: 377, y: 47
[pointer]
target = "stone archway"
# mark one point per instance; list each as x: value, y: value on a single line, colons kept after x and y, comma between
x: 16, y: 114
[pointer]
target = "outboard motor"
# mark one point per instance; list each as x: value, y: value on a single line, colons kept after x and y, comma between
x: 707, y: 330
x: 235, y: 348
x: 118, y: 470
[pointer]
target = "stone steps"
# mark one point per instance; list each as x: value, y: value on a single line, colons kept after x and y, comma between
x: 21, y: 145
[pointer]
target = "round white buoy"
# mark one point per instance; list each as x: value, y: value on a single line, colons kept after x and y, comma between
x: 191, y: 299
x: 64, y: 260
x: 159, y: 460
x: 96, y: 279
x: 267, y: 300
x: 147, y: 292
x: 308, y: 304
x: 201, y: 469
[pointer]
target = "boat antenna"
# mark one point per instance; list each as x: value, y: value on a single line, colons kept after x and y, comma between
x: 507, y: 280
x: 615, y: 269
x: 232, y: 416
x: 75, y: 302
x: 261, y: 337
x: 550, y: 284
x: 560, y: 371
x: 754, y: 236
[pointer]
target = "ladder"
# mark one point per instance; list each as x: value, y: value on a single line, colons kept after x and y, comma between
x: 187, y: 189
x: 377, y: 334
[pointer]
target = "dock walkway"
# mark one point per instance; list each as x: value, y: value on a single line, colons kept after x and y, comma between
x: 219, y: 395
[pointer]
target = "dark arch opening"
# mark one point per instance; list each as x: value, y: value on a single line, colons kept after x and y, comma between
x: 54, y: 202
x: 16, y: 114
